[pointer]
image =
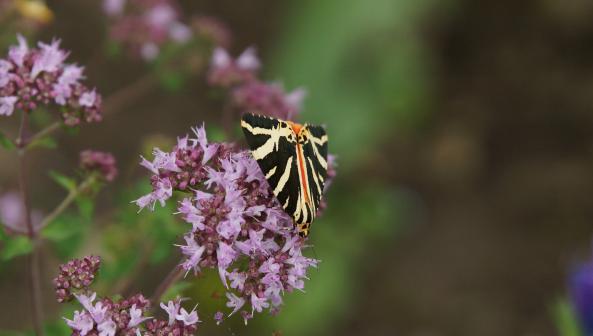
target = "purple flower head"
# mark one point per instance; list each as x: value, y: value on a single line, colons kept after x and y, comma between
x: 180, y: 322
x: 237, y: 226
x: 102, y: 163
x: 580, y: 288
x: 12, y: 214
x: 108, y: 317
x: 34, y: 77
x: 75, y: 277
x: 227, y: 72
x: 182, y: 169
x: 144, y: 27
x: 268, y: 99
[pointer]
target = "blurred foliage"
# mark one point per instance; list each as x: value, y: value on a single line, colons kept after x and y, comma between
x: 364, y: 66
x: 135, y: 240
x: 565, y: 318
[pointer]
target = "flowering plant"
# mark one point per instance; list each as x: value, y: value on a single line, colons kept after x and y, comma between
x: 230, y: 220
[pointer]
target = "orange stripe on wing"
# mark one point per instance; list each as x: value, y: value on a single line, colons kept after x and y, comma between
x: 303, y: 174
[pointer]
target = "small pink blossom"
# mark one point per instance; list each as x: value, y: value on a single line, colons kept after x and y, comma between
x: 7, y: 105
x: 187, y: 318
x: 49, y: 59
x: 17, y: 53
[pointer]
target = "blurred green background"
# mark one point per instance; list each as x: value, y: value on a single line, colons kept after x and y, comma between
x: 463, y: 131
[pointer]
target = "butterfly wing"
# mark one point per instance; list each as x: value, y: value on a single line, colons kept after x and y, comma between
x: 273, y: 145
x: 315, y: 157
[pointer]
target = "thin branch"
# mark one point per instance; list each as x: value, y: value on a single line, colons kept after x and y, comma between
x: 52, y: 128
x: 131, y: 92
x: 34, y: 286
x: 171, y: 278
x: 66, y: 202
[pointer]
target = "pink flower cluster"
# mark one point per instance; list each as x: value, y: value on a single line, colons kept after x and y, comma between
x: 237, y: 225
x: 75, y: 277
x: 145, y: 26
x: 102, y: 163
x: 33, y: 77
x: 248, y: 93
x: 107, y: 317
x: 127, y: 317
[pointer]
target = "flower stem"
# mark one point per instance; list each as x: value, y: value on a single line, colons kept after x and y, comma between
x: 135, y: 90
x: 34, y: 286
x: 53, y: 127
x: 171, y: 278
x: 71, y: 197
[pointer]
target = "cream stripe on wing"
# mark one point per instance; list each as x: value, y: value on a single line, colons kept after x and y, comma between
x: 320, y: 141
x: 320, y: 158
x: 314, y: 174
x: 284, y: 178
x: 271, y: 172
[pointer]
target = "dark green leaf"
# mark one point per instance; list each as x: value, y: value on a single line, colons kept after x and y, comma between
x: 66, y: 182
x: 16, y: 246
x: 6, y: 142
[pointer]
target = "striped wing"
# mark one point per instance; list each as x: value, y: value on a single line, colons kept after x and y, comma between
x: 295, y: 165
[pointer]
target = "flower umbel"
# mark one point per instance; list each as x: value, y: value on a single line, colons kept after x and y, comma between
x: 237, y: 225
x: 101, y: 163
x: 75, y: 277
x: 34, y: 77
x: 109, y: 317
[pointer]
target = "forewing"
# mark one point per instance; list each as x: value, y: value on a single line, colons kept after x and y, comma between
x: 271, y: 144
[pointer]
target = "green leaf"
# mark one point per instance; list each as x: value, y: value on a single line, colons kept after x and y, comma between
x: 66, y: 182
x: 46, y: 142
x: 171, y: 80
x: 86, y: 206
x: 3, y: 235
x: 6, y: 142
x: 566, y: 321
x: 16, y: 246
x: 66, y: 234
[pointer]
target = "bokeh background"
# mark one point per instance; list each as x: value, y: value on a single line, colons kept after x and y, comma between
x: 463, y: 131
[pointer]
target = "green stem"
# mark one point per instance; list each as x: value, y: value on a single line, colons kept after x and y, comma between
x: 171, y: 278
x: 52, y: 128
x: 34, y: 274
x: 66, y: 202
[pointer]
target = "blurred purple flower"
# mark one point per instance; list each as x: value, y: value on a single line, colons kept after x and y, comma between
x: 144, y: 27
x: 12, y: 214
x: 268, y: 99
x: 102, y: 163
x: 580, y: 287
x: 30, y: 78
x: 227, y: 72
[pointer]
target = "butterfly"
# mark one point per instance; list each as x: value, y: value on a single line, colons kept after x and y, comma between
x: 293, y: 158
